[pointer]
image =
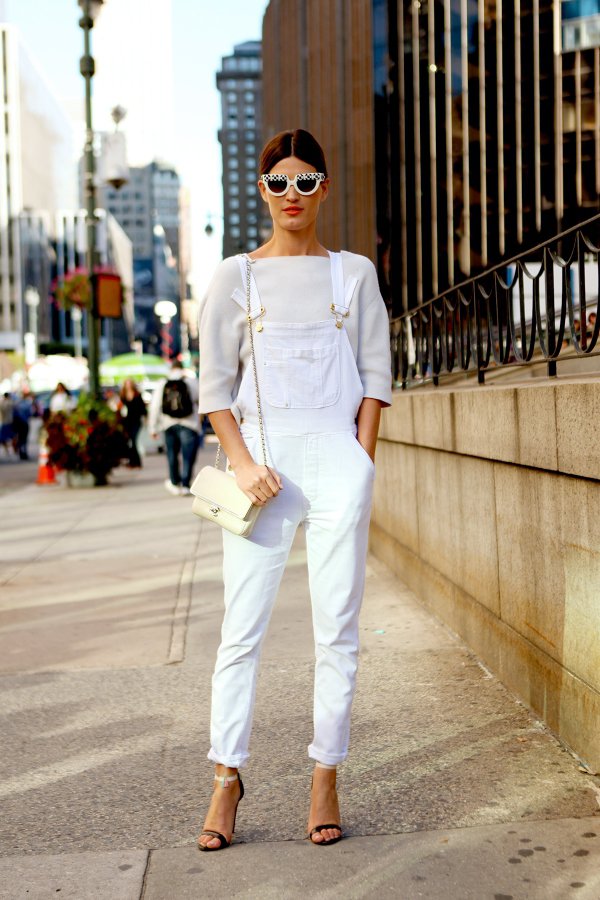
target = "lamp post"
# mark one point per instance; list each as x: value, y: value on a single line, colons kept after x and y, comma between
x: 32, y: 301
x: 76, y: 316
x: 165, y: 310
x: 90, y: 10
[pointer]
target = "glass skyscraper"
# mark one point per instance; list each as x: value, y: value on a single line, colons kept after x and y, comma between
x: 487, y: 133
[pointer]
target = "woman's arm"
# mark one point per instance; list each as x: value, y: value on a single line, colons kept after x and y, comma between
x: 258, y: 482
x: 367, y: 423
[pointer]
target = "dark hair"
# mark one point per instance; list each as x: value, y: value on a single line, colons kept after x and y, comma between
x: 297, y: 143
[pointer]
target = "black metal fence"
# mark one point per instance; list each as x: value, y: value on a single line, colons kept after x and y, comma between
x: 529, y: 309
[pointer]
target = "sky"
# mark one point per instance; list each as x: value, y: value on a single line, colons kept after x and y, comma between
x: 202, y: 33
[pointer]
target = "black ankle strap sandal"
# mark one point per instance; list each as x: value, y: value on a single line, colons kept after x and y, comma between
x: 225, y: 781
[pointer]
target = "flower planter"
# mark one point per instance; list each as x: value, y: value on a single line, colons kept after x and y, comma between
x: 80, y: 480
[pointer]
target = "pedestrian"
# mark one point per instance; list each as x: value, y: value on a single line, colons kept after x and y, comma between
x: 321, y: 339
x: 60, y: 399
x: 24, y: 410
x: 174, y: 410
x: 133, y: 411
x: 7, y: 413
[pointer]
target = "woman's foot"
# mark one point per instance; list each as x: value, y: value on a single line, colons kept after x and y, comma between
x: 223, y: 807
x: 324, y: 807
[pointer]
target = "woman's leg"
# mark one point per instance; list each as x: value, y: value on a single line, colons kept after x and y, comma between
x: 336, y: 541
x: 134, y: 456
x: 252, y: 571
x: 172, y: 446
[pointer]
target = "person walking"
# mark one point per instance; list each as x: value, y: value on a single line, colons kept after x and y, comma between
x: 174, y: 410
x: 7, y: 412
x: 321, y: 343
x: 23, y: 411
x: 133, y: 411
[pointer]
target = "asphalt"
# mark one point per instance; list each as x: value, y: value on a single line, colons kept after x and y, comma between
x: 110, y: 608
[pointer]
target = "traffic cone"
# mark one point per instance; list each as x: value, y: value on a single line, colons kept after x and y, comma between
x: 45, y: 468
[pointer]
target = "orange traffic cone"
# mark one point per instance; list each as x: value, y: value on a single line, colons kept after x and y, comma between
x: 45, y: 468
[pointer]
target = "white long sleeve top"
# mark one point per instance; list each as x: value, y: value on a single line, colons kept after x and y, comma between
x: 292, y: 289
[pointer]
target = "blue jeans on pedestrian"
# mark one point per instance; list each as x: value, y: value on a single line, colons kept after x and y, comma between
x: 179, y: 439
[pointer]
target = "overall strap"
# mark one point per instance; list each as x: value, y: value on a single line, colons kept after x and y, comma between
x: 342, y: 291
x: 256, y: 308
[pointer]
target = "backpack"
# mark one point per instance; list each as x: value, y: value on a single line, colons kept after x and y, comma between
x: 176, y: 400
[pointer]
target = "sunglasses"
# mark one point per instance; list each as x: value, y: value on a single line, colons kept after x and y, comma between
x: 306, y: 183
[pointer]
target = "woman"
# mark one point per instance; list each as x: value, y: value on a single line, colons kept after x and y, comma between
x: 133, y: 410
x: 60, y: 399
x: 322, y: 355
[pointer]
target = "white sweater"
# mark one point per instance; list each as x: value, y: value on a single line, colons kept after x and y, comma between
x: 292, y: 289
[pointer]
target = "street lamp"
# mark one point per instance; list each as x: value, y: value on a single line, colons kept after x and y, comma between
x: 76, y: 317
x: 165, y: 310
x: 32, y: 301
x: 90, y: 10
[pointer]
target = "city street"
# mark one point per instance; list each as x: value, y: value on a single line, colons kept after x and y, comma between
x: 110, y: 612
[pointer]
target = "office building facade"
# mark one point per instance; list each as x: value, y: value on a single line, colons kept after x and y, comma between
x: 324, y: 83
x: 36, y: 179
x: 474, y: 134
x: 245, y: 223
x: 147, y: 209
x: 487, y: 129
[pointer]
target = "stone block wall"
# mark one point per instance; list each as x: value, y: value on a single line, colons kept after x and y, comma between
x: 487, y: 504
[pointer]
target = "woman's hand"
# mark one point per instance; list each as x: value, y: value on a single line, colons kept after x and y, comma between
x: 259, y: 483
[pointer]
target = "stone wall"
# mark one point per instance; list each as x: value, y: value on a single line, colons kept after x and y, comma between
x: 487, y: 504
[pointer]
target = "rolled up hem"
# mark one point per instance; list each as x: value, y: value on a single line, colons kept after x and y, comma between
x: 237, y: 761
x: 328, y: 759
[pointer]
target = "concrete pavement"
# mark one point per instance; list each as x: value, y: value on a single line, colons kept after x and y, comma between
x: 110, y: 607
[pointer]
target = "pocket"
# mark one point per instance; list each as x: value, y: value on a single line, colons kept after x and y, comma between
x: 303, y: 378
x: 364, y: 453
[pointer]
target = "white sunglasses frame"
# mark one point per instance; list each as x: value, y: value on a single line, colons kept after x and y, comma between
x: 293, y: 181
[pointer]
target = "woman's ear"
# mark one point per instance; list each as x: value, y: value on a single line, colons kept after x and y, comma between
x: 263, y: 191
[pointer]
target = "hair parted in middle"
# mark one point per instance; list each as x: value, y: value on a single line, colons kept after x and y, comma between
x: 298, y: 143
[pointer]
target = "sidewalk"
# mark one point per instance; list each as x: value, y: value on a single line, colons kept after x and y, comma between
x: 110, y: 609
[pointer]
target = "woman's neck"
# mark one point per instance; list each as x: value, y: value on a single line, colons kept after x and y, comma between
x: 286, y: 243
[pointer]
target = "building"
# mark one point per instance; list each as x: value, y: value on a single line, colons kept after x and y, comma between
x: 36, y: 179
x: 487, y: 134
x: 460, y: 135
x: 324, y: 83
x: 240, y: 83
x: 147, y: 209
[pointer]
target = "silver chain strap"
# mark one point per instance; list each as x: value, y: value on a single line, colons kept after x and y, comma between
x: 255, y: 373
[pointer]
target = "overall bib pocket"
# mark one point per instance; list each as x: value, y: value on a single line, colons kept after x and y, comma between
x: 302, y: 377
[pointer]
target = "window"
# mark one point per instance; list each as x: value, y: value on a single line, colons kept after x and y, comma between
x: 234, y: 189
x: 233, y: 176
x: 234, y: 231
x: 232, y: 97
x: 251, y: 189
x: 234, y: 203
x: 233, y: 163
x: 234, y: 219
x: 252, y: 232
x: 251, y: 203
x: 249, y: 97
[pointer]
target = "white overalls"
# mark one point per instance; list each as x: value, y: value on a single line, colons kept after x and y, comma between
x: 310, y: 392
